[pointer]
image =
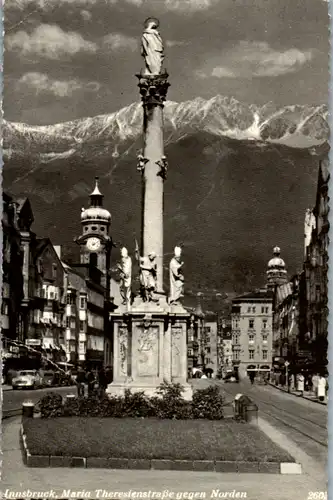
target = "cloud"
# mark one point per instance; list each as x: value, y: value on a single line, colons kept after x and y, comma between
x: 184, y: 6
x: 255, y: 59
x: 42, y: 84
x: 49, y: 41
x: 86, y: 15
x: 175, y: 43
x: 47, y: 5
x: 117, y: 41
x: 189, y: 5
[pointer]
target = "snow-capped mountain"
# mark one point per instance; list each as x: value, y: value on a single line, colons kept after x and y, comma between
x: 253, y: 173
x: 296, y: 126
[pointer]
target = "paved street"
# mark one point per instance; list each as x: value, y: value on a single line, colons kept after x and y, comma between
x: 302, y: 414
x: 303, y: 421
x: 17, y: 477
x: 13, y: 400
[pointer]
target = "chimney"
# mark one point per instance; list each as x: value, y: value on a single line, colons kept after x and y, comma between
x: 57, y: 249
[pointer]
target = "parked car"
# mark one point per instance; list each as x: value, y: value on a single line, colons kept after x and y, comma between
x: 48, y: 378
x: 27, y: 379
x: 231, y: 377
x: 62, y: 379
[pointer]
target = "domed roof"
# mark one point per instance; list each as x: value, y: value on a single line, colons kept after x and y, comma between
x: 95, y: 213
x: 276, y: 261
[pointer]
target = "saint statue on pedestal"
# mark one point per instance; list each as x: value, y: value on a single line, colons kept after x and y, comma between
x: 148, y: 274
x: 152, y: 48
x: 176, y: 277
x: 125, y: 268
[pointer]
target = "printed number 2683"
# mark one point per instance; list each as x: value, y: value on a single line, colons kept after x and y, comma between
x: 317, y: 495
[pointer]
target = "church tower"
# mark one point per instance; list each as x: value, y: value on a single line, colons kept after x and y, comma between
x: 95, y: 242
x: 276, y: 272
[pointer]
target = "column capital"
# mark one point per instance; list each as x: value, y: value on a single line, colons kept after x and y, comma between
x: 153, y: 88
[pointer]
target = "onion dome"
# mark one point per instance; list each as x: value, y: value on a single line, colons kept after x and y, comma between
x: 96, y: 212
x: 276, y: 262
x: 277, y: 272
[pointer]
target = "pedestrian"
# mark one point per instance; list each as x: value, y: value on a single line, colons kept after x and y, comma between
x: 314, y: 383
x: 90, y: 378
x: 109, y: 374
x: 252, y: 375
x: 102, y: 382
x: 321, y: 388
x: 80, y: 380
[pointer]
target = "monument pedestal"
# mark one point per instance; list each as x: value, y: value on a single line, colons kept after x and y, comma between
x: 150, y: 347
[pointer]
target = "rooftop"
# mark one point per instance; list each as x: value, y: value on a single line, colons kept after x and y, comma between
x: 255, y: 295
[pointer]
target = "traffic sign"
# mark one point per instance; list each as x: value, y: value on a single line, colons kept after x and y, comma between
x: 286, y: 364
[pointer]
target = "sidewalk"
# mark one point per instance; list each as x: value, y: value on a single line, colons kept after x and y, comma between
x: 16, y: 477
x: 6, y: 387
x: 306, y: 394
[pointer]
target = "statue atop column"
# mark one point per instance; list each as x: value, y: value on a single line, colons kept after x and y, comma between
x: 148, y: 275
x: 152, y: 48
x: 125, y: 268
x: 176, y: 277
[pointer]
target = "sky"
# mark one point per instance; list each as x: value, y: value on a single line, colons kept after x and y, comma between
x: 68, y: 59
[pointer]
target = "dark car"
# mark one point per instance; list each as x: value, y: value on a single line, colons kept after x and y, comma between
x: 48, y: 378
x: 231, y: 377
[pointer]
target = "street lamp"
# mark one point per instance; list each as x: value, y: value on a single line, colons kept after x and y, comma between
x: 199, y: 318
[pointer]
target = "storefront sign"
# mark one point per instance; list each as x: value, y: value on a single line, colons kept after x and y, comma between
x: 33, y: 341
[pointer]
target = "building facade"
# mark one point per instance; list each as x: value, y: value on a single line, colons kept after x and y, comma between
x: 202, y: 341
x: 51, y: 310
x: 46, y: 325
x: 12, y: 277
x: 314, y: 289
x: 286, y: 320
x: 252, y: 332
x: 210, y: 344
x: 227, y: 345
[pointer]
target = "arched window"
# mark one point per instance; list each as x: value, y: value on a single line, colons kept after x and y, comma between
x: 93, y: 259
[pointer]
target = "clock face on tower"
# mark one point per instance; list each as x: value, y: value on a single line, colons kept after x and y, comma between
x: 93, y: 244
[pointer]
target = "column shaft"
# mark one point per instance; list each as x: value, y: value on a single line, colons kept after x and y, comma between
x: 153, y: 187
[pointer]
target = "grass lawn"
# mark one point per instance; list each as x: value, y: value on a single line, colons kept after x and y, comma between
x: 150, y: 438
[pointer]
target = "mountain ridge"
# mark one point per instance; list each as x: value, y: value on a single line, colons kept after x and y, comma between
x: 248, y: 191
x: 293, y: 125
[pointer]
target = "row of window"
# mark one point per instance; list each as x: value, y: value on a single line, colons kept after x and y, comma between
x: 264, y: 323
x: 264, y: 337
x: 71, y: 323
x: 264, y: 354
x: 236, y: 337
x: 70, y: 300
x: 50, y: 294
x: 70, y: 347
x: 264, y: 310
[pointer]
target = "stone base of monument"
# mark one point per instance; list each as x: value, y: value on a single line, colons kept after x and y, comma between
x: 119, y: 390
x: 150, y: 347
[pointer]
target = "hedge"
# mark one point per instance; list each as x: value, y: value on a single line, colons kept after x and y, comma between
x: 168, y: 404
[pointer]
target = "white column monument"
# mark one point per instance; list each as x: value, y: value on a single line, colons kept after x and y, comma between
x: 150, y: 335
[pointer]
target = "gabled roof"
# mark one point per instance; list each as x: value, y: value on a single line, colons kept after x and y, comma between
x: 255, y: 295
x: 41, y: 244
